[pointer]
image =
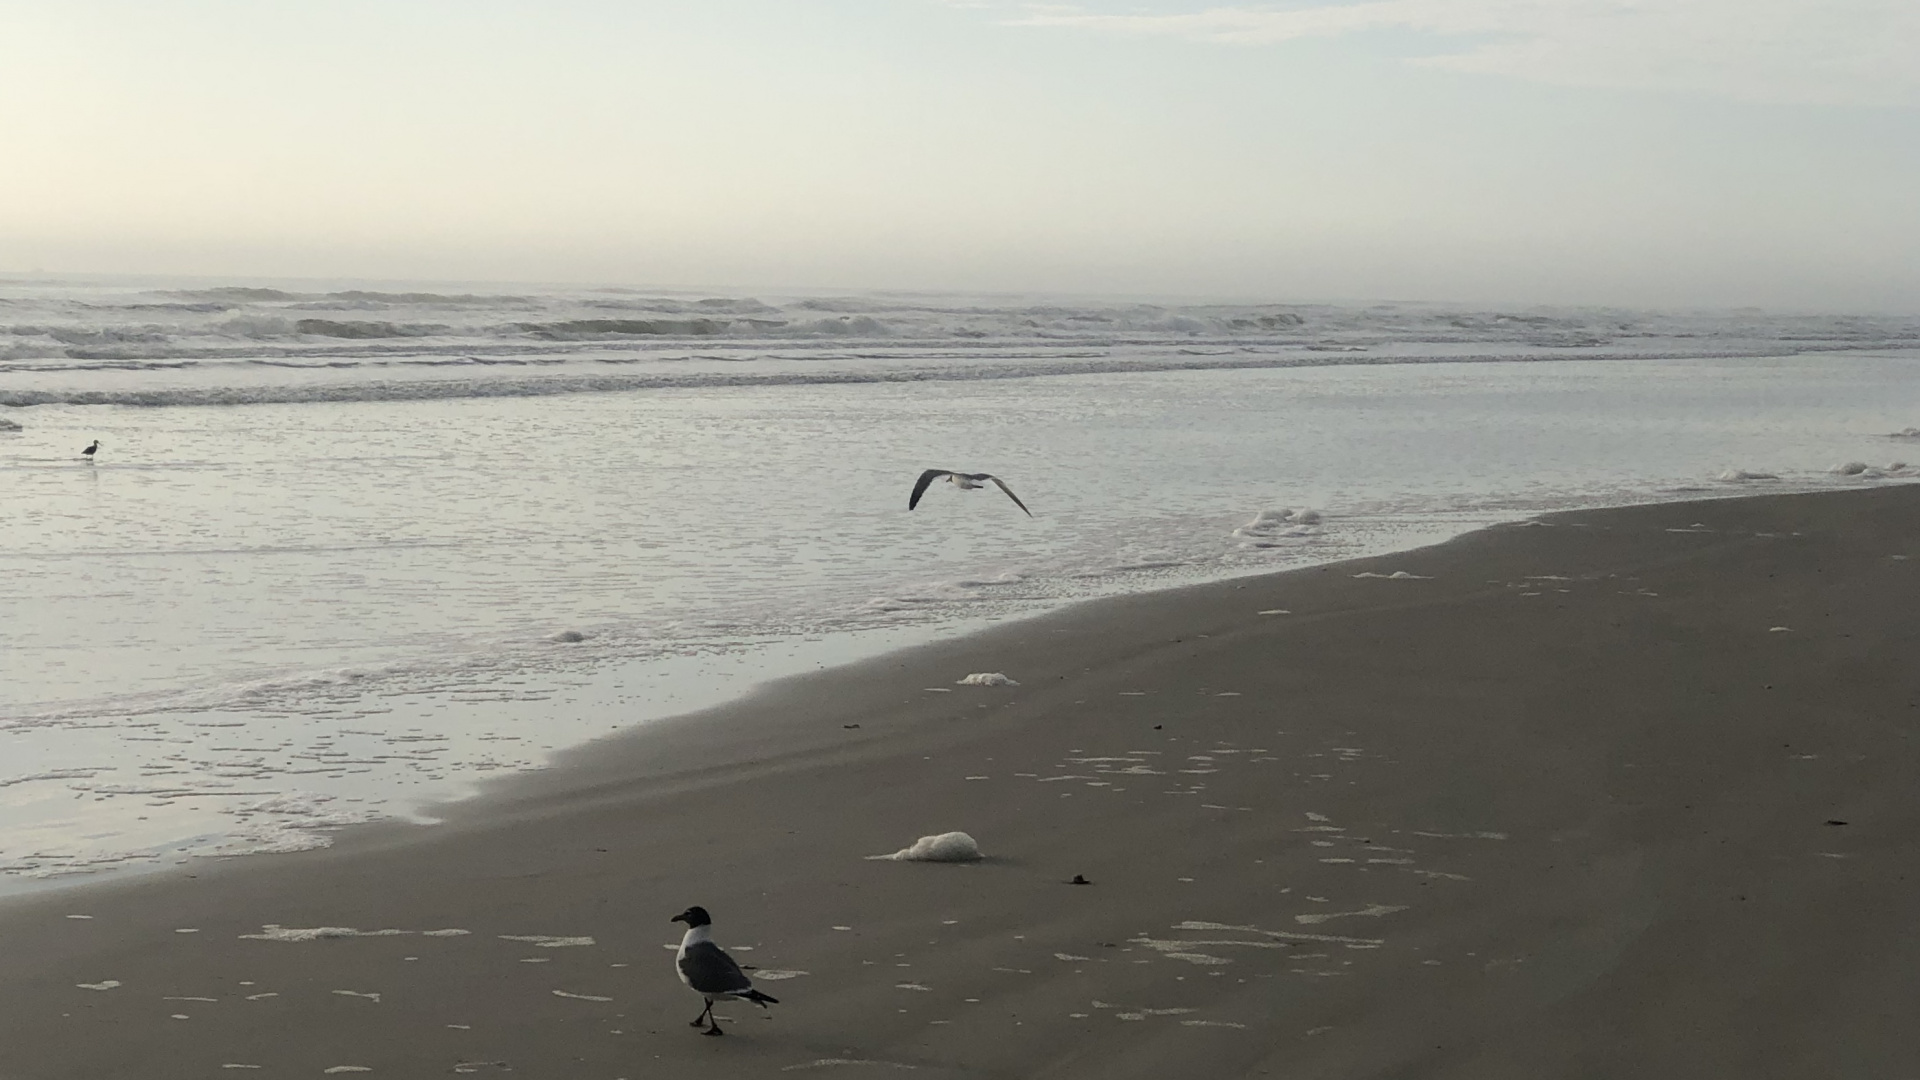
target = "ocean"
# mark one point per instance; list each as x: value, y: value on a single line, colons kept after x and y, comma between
x: 348, y: 549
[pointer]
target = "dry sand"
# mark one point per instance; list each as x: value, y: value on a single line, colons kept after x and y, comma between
x: 1564, y: 803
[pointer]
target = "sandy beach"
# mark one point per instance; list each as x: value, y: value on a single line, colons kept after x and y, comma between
x: 1625, y: 793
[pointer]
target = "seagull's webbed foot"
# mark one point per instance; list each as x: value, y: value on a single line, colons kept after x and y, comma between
x: 714, y: 1030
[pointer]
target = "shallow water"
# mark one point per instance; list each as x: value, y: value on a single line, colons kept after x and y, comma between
x: 247, y: 623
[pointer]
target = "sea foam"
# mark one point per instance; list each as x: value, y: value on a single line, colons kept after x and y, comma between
x: 944, y: 847
x: 1271, y: 527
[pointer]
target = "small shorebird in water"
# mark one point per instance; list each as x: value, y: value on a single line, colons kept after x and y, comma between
x: 91, y: 450
x: 965, y: 481
x: 711, y: 973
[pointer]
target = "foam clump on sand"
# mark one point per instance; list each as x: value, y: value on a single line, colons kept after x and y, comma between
x: 1746, y: 474
x: 10, y: 425
x: 1269, y: 527
x: 1906, y: 433
x: 1397, y: 575
x: 986, y: 678
x: 568, y: 637
x: 946, y: 847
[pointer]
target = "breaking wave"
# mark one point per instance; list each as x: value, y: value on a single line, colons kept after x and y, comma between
x: 572, y: 381
x: 90, y: 343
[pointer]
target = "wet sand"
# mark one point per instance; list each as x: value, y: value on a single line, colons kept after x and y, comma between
x: 1628, y: 793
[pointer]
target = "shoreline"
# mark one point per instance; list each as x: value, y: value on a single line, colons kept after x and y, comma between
x: 611, y: 756
x: 1534, y: 789
x: 677, y: 679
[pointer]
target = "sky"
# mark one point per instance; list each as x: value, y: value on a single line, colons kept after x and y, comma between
x: 1669, y: 153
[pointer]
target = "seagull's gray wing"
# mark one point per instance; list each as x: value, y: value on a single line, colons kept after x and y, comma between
x: 1008, y: 490
x: 711, y: 971
x: 920, y: 485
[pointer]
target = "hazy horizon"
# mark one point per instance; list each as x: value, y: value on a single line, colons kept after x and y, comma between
x: 297, y: 284
x: 1566, y: 152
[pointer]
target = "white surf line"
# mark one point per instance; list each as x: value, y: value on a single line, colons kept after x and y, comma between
x: 1281, y: 935
x: 1462, y: 836
x: 580, y: 997
x: 372, y: 996
x: 276, y: 932
x: 1142, y: 1014
x: 1372, y: 911
x: 827, y: 1063
x: 1435, y: 874
x: 1184, y: 950
x: 546, y: 941
x: 107, y: 984
x: 777, y: 974
x: 1162, y: 944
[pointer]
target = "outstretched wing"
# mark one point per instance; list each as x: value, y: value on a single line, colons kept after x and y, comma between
x: 920, y: 485
x: 1008, y: 490
x: 710, y: 971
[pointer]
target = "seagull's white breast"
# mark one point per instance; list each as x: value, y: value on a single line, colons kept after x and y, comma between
x: 694, y: 936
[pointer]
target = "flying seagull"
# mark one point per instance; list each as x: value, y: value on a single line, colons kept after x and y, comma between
x: 966, y: 482
x: 91, y: 450
x: 710, y: 971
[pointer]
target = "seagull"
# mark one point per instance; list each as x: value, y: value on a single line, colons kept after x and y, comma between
x: 91, y: 450
x: 710, y: 971
x: 966, y: 481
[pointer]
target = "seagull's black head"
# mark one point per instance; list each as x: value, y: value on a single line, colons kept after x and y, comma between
x: 693, y: 916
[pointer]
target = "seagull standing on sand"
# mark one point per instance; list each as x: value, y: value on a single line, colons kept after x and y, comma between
x: 965, y: 481
x: 91, y: 450
x: 711, y: 972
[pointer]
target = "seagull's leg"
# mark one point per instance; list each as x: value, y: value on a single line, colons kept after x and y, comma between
x: 704, y: 1015
x: 715, y: 1021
